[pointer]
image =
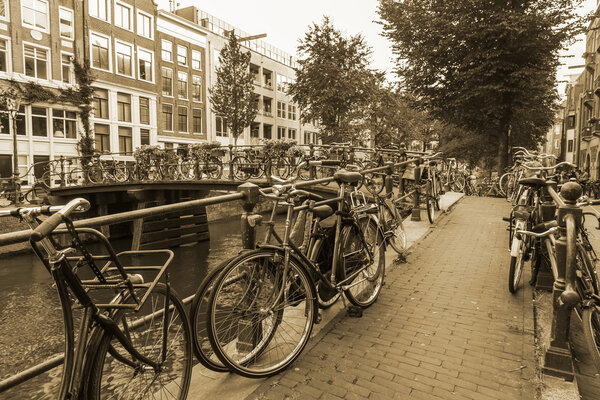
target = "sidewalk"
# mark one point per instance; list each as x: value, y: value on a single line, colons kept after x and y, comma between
x: 207, y: 384
x: 444, y: 327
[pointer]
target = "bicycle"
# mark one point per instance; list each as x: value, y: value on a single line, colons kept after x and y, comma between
x: 263, y: 304
x: 101, y: 171
x: 133, y: 337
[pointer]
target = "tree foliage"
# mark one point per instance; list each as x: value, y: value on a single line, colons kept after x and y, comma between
x: 487, y: 67
x: 333, y: 81
x: 233, y: 95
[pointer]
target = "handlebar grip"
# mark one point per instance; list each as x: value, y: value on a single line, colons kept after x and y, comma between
x: 330, y: 163
x: 46, y: 227
x: 544, y: 226
x: 594, y: 202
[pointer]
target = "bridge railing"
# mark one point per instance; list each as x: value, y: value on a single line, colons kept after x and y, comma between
x: 247, y: 193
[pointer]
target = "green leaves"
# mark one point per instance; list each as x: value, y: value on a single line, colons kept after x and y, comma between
x: 233, y: 95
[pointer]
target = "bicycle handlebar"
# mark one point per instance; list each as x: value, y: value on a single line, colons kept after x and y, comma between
x: 538, y: 235
x: 50, y: 223
x: 560, y: 164
x: 324, y: 163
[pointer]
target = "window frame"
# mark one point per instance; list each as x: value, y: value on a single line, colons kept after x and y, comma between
x: 187, y: 85
x: 187, y: 127
x: 34, y: 26
x: 48, y: 61
x: 199, y: 53
x: 130, y: 8
x: 108, y: 10
x: 107, y: 135
x: 64, y: 118
x: 152, y: 62
x: 8, y: 55
x: 32, y: 116
x: 131, y: 58
x: 162, y: 51
x: 7, y: 11
x: 144, y: 14
x: 193, y: 87
x: 124, y: 108
x: 140, y: 111
x: 71, y: 72
x: 223, y: 124
x: 96, y: 89
x: 162, y: 112
x: 162, y: 81
x: 185, y: 64
x: 130, y: 136
x: 194, y: 120
x: 141, y: 136
x: 72, y: 36
x: 109, y: 52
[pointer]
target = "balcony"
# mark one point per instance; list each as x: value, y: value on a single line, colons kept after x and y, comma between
x: 586, y: 133
x: 590, y: 61
x: 596, y: 128
x: 597, y: 86
x: 588, y: 98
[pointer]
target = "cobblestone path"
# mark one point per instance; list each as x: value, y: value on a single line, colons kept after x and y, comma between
x: 444, y: 327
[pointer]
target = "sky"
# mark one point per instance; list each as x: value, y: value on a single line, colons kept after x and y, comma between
x: 286, y: 21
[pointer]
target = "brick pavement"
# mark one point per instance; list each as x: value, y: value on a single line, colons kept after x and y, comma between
x: 444, y: 327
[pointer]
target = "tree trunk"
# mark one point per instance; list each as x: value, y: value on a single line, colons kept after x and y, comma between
x: 502, y: 157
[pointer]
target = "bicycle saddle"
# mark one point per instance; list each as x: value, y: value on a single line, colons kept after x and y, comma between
x: 343, y: 176
x: 532, y: 182
x: 322, y: 212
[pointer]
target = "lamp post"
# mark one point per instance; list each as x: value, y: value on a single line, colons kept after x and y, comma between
x: 12, y: 106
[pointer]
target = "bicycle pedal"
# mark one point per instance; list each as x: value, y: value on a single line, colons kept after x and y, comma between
x: 354, y: 311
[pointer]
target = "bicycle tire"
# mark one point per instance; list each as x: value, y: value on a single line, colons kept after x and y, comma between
x: 214, y: 169
x: 516, y: 267
x: 503, y: 183
x: 120, y: 173
x: 280, y: 167
x: 75, y: 176
x: 238, y: 164
x: 430, y: 205
x: 393, y: 222
x: 257, y: 279
x: 198, y: 311
x: 374, y: 181
x: 187, y: 170
x: 304, y: 172
x: 104, y: 362
x: 352, y: 252
x: 591, y: 332
x: 95, y: 174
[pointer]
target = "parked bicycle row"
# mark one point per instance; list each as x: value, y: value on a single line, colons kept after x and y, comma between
x: 253, y: 315
x: 547, y: 229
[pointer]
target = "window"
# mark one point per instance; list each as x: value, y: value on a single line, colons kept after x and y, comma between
x: 221, y: 125
x: 255, y: 130
x: 21, y: 122
x: 124, y: 107
x: 181, y: 55
x: 65, y: 68
x: 281, y: 109
x: 197, y: 120
x: 144, y: 25
x: 39, y: 121
x: 182, y: 123
x: 570, y: 146
x: 197, y: 88
x: 292, y: 112
x: 65, y: 19
x: 123, y: 16
x: 267, y: 78
x: 167, y: 51
x: 36, y: 62
x: 4, y: 123
x: 145, y: 137
x: 64, y: 124
x: 124, y: 58
x: 281, y: 82
x: 145, y: 65
x: 280, y: 132
x: 99, y: 9
x: 101, y: 103
x: 4, y: 9
x: 125, y: 140
x: 102, y: 138
x: 167, y: 81
x: 182, y: 82
x: 35, y: 13
x: 196, y: 60
x: 169, y: 146
x: 100, y: 52
x: 4, y: 55
x: 167, y: 111
x: 255, y: 74
x: 267, y: 106
x: 292, y: 133
x: 571, y: 122
x: 144, y: 110
x: 267, y: 131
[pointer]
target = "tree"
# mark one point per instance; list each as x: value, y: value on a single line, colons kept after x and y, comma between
x: 487, y: 67
x: 233, y: 95
x: 333, y: 81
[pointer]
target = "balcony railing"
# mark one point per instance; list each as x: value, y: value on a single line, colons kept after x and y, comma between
x: 586, y: 133
x: 596, y: 128
x: 588, y: 98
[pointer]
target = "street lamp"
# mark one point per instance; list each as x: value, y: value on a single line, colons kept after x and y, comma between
x: 10, y: 103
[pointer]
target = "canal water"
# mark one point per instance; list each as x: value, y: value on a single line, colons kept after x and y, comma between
x: 30, y: 317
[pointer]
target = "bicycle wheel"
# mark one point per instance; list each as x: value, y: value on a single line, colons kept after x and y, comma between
x: 374, y: 181
x: 75, y: 176
x: 430, y: 209
x: 241, y: 168
x: 517, y: 260
x: 186, y: 170
x: 214, y: 169
x: 111, y: 378
x: 260, y: 313
x: 458, y: 182
x: 591, y: 332
x: 322, y: 254
x: 304, y: 172
x: 365, y: 284
x: 393, y: 223
x: 503, y: 183
x: 120, y: 173
x: 95, y: 174
x: 280, y: 167
x: 198, y: 311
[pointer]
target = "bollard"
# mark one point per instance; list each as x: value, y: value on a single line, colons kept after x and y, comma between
x: 63, y: 182
x: 268, y: 170
x: 311, y: 155
x: 558, y: 360
x: 416, y: 210
x: 251, y: 194
x: 545, y: 277
x: 351, y: 155
x: 231, y: 161
x: 389, y: 179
